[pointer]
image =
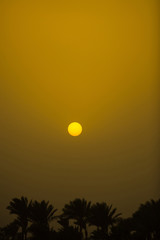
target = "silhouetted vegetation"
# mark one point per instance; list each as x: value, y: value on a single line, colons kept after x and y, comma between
x: 33, y: 221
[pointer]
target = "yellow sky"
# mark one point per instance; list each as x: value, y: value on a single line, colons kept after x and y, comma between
x: 94, y: 62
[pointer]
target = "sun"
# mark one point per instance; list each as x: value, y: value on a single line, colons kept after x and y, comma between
x: 75, y: 129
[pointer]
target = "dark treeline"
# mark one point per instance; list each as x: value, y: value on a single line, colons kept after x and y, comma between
x: 33, y: 221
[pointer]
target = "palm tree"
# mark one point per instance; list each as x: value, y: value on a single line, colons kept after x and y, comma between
x: 78, y: 210
x: 2, y: 236
x: 103, y: 217
x: 41, y: 214
x: 146, y: 220
x: 21, y: 207
x: 10, y: 231
x: 67, y: 232
x: 122, y: 230
x: 63, y: 221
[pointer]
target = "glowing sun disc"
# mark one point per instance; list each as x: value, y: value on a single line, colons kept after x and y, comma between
x: 75, y: 129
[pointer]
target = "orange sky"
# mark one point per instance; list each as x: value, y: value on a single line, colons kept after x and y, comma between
x: 94, y: 62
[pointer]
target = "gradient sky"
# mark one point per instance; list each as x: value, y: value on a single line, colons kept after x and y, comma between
x: 94, y: 62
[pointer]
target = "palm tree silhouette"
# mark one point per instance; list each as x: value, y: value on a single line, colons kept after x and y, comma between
x: 10, y: 231
x: 41, y: 214
x: 67, y: 232
x: 21, y: 208
x: 36, y: 217
x: 122, y: 230
x: 78, y: 210
x: 146, y: 220
x: 103, y: 217
x: 63, y: 221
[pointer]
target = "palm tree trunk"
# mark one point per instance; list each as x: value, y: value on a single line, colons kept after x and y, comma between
x: 86, y: 233
x: 22, y: 235
x: 149, y: 237
x: 81, y: 232
x: 25, y: 235
x: 107, y: 232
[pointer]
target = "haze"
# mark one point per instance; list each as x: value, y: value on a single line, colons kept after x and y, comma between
x: 94, y: 62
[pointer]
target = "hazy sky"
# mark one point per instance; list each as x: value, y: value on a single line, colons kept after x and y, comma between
x: 94, y: 62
